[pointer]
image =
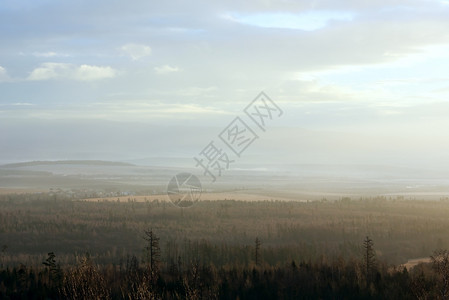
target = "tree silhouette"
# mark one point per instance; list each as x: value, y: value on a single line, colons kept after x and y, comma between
x: 369, y: 258
x: 153, y: 251
x: 257, y: 244
x: 4, y: 248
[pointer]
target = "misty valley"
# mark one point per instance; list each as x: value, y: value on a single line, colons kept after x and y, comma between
x: 97, y: 229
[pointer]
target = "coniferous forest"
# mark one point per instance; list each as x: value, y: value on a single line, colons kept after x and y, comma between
x: 55, y: 247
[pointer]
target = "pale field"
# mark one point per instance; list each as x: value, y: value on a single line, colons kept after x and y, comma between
x: 204, y: 196
x: 411, y: 263
x: 5, y: 191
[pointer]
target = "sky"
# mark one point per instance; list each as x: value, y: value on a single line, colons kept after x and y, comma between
x: 359, y: 82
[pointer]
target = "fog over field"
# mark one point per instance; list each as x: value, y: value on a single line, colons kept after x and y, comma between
x: 274, y: 181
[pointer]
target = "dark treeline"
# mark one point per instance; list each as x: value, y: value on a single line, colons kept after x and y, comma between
x: 150, y: 278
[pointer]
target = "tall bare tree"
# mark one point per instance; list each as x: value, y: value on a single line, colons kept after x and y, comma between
x: 153, y: 251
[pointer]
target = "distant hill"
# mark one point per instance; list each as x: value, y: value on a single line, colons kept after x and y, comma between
x: 68, y: 162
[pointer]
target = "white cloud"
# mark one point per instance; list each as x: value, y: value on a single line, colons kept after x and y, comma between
x: 166, y: 69
x: 87, y: 72
x: 3, y: 74
x: 22, y: 104
x: 45, y: 54
x: 158, y: 109
x: 69, y: 71
x: 196, y: 91
x: 49, y: 54
x: 308, y: 21
x: 136, y: 51
x: 49, y: 71
x: 131, y: 110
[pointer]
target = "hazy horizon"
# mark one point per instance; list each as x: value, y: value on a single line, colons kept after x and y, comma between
x: 360, y: 84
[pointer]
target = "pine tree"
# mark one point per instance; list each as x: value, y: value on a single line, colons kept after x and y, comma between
x: 153, y: 251
x: 3, y: 251
x: 368, y: 258
x: 257, y: 251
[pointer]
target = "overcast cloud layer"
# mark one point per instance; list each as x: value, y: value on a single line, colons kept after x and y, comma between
x: 359, y: 81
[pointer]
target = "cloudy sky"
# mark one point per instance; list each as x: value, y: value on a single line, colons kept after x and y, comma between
x: 358, y: 81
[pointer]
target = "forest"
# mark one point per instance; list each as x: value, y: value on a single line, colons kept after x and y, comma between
x: 58, y: 247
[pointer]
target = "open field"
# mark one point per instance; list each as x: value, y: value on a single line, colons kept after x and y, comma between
x: 411, y: 263
x: 237, y: 196
x: 6, y: 191
x: 100, y: 179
